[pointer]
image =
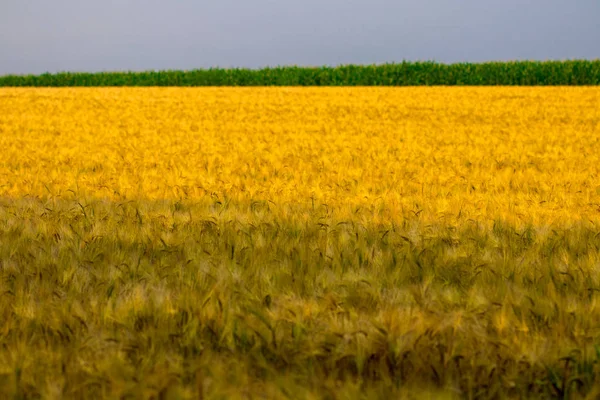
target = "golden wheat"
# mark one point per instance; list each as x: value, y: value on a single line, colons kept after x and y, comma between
x: 525, y: 154
x: 299, y: 242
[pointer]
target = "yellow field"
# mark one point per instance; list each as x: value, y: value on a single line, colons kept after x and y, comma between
x: 524, y: 154
x: 299, y: 242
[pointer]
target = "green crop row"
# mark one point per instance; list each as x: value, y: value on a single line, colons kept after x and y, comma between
x: 529, y: 73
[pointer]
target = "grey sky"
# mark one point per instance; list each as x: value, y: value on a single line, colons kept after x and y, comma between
x: 91, y: 35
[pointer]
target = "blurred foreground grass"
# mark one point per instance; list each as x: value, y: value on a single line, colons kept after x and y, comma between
x: 176, y: 298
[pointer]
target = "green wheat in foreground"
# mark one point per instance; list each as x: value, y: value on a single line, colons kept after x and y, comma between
x: 300, y: 243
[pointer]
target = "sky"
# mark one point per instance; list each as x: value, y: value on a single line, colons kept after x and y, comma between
x: 39, y: 36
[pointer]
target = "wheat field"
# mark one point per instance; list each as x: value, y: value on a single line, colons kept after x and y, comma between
x: 180, y: 243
